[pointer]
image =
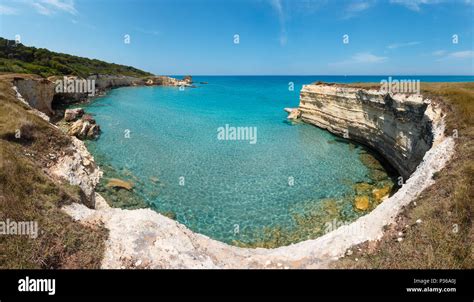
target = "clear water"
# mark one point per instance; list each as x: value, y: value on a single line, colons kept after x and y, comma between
x: 232, y: 190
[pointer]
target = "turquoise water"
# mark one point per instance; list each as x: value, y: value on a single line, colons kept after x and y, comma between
x: 228, y: 190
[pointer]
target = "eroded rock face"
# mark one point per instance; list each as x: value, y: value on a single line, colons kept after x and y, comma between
x: 394, y: 125
x: 78, y: 168
x: 104, y: 82
x: 38, y: 93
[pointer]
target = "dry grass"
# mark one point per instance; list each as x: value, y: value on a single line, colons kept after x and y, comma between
x: 445, y: 236
x: 28, y: 194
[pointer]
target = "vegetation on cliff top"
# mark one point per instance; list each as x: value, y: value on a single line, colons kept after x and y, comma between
x: 28, y: 194
x: 18, y: 58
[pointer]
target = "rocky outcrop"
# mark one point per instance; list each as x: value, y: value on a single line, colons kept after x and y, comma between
x: 294, y: 113
x: 188, y: 79
x: 70, y: 115
x: 169, y: 81
x: 394, y: 125
x: 78, y: 167
x: 85, y: 128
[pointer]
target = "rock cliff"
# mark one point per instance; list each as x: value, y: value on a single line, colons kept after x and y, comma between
x: 394, y: 125
x: 37, y: 92
x: 40, y: 93
x: 78, y: 167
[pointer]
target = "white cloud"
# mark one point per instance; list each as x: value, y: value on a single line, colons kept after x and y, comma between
x: 407, y: 44
x: 462, y: 54
x: 357, y: 7
x: 5, y: 10
x: 285, y: 9
x: 458, y: 55
x: 361, y: 58
x: 64, y: 5
x: 367, y: 57
x: 415, y: 5
x: 42, y: 9
x: 48, y: 7
x: 439, y: 53
x: 277, y: 6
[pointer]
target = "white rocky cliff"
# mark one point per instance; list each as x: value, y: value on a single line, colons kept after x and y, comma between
x: 394, y: 125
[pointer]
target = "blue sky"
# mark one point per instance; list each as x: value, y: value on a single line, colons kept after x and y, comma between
x: 286, y: 37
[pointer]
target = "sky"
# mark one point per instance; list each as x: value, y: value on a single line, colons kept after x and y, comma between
x: 275, y: 37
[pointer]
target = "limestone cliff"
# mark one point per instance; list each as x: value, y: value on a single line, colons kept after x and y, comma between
x: 394, y: 125
x: 38, y: 92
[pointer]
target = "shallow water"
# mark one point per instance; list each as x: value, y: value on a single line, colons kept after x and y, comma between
x: 166, y: 142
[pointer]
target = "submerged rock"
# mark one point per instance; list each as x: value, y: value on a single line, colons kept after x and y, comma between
x: 118, y: 183
x: 380, y: 194
x: 362, y: 203
x: 363, y: 188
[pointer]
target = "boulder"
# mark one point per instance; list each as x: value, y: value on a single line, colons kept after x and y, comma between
x: 73, y: 114
x: 84, y: 129
x: 93, y: 131
x: 362, y: 203
x: 380, y: 194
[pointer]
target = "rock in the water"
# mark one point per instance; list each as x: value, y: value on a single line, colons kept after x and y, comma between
x: 118, y: 183
x: 188, y: 79
x: 362, y: 203
x: 379, y: 194
x: 294, y: 113
x: 363, y: 188
x: 85, y: 128
x: 73, y: 114
x: 93, y: 131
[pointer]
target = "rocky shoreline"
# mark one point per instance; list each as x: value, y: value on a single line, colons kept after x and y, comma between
x: 146, y: 239
x: 143, y: 238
